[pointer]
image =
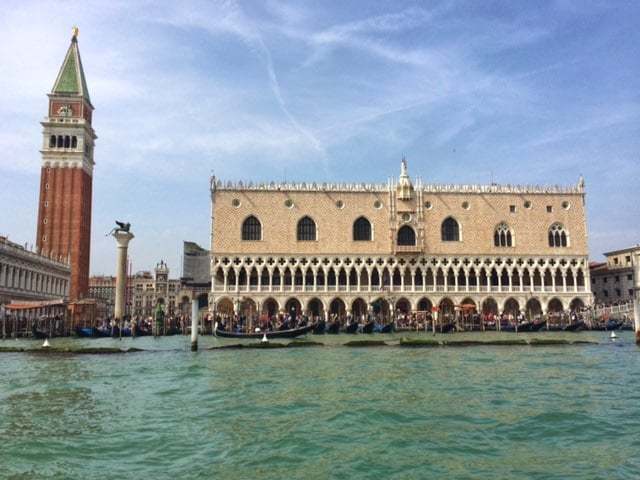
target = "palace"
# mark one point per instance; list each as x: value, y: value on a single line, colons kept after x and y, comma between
x: 352, y: 248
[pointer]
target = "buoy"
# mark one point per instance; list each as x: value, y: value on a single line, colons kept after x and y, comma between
x: 264, y: 338
x: 613, y: 335
x: 46, y: 343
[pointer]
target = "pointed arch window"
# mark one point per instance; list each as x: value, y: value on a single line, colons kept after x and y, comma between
x: 362, y: 230
x: 558, y: 236
x: 406, y: 236
x: 306, y: 229
x: 251, y: 229
x: 450, y: 230
x: 503, y: 237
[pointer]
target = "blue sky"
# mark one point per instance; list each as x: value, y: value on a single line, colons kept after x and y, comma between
x: 521, y: 92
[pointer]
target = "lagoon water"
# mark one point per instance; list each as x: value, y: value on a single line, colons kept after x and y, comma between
x: 504, y: 412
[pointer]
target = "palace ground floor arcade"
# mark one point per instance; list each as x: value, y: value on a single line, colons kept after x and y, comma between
x: 355, y: 285
x: 384, y: 305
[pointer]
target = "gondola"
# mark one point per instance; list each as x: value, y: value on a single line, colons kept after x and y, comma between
x: 333, y: 328
x: 575, y: 327
x: 292, y: 333
x: 447, y: 327
x: 538, y: 325
x: 351, y: 328
x: 368, y: 327
x: 319, y: 328
x: 35, y: 333
x: 507, y: 327
x: 388, y: 328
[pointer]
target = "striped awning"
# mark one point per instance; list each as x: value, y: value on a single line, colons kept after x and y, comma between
x: 34, y: 305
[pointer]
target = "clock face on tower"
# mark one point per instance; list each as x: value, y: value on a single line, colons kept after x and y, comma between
x: 65, y: 111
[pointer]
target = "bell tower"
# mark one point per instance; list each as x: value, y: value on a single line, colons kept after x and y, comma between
x: 66, y: 177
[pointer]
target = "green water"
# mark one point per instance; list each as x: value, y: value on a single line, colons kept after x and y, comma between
x: 499, y: 412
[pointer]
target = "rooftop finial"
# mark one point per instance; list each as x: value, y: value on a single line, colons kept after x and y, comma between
x: 75, y: 31
x: 403, y: 167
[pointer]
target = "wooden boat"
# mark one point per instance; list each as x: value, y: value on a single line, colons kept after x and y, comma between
x: 575, y: 327
x: 35, y: 333
x: 319, y: 328
x: 368, y: 327
x: 351, y: 328
x: 531, y: 326
x: 291, y: 333
x: 388, y: 328
x: 333, y: 328
x: 447, y: 327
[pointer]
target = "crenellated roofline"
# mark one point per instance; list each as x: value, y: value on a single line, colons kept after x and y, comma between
x: 217, y: 184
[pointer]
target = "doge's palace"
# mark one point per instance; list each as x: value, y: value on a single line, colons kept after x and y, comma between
x: 403, y: 245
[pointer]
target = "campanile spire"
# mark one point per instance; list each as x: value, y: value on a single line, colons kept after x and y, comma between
x: 64, y: 213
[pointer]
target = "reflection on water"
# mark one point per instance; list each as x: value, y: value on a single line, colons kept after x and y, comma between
x: 569, y: 412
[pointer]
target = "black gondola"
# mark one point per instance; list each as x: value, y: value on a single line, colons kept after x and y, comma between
x: 319, y: 328
x: 538, y: 325
x: 351, y: 328
x: 292, y: 333
x: 447, y: 327
x: 507, y: 327
x: 575, y: 326
x: 35, y: 333
x: 333, y: 328
x: 368, y: 327
x: 388, y: 328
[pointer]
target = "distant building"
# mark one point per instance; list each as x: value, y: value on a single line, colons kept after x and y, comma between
x: 612, y: 281
x: 196, y: 265
x: 146, y: 290
x: 29, y: 276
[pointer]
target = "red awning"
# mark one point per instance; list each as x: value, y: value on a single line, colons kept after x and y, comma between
x: 34, y: 305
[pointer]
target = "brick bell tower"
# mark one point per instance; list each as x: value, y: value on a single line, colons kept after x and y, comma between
x: 64, y: 212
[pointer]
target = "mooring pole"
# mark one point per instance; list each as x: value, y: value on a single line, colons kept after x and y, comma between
x: 194, y: 325
x: 636, y: 295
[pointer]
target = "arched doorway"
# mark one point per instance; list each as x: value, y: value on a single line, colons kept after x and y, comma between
x: 337, y: 307
x: 359, y: 308
x: 224, y: 306
x: 576, y: 305
x: 381, y: 308
x: 203, y: 301
x: 270, y: 307
x: 555, y: 306
x: 511, y: 307
x: 425, y: 305
x: 403, y: 306
x: 315, y: 308
x: 468, y: 306
x: 293, y: 308
x: 533, y: 308
x: 489, y: 306
x: 248, y: 308
x: 447, y: 310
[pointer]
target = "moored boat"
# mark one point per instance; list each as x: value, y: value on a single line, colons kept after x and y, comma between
x: 351, y: 328
x: 333, y: 328
x: 575, y: 326
x: 368, y: 327
x: 291, y: 333
x: 388, y: 328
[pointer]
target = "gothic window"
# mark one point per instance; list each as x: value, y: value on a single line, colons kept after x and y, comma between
x: 52, y: 141
x: 306, y: 229
x: 502, y: 237
x: 251, y: 229
x: 406, y: 236
x: 558, y: 236
x: 74, y: 142
x: 450, y: 230
x: 362, y: 229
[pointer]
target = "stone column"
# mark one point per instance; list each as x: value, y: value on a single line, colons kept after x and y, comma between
x: 636, y: 295
x: 122, y: 239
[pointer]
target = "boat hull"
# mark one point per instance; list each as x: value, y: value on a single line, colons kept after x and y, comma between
x: 292, y: 333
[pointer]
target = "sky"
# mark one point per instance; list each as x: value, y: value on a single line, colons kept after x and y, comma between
x: 469, y: 92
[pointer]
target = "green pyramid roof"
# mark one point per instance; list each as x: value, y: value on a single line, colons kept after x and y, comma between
x: 70, y: 80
